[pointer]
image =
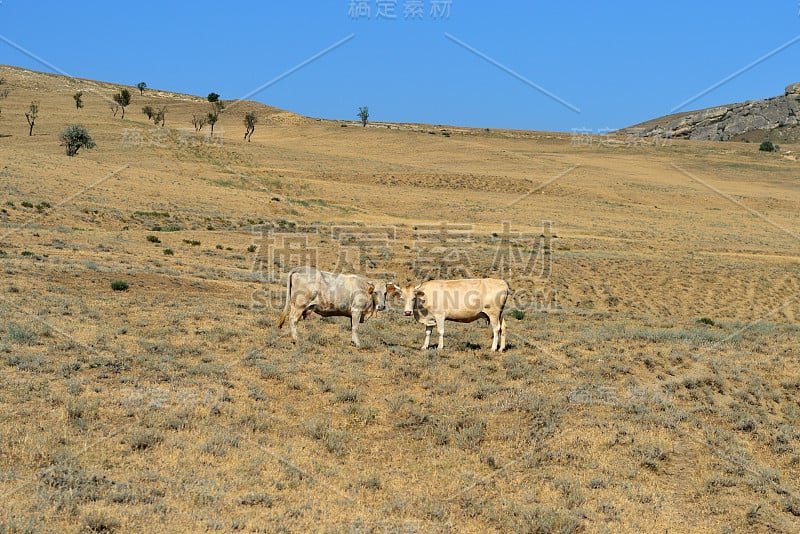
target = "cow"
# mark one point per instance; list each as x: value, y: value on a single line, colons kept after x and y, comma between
x: 309, y: 290
x: 464, y: 301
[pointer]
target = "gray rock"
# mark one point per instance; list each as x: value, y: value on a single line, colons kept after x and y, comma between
x: 724, y: 122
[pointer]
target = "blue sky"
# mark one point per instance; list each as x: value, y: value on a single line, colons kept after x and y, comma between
x: 619, y: 63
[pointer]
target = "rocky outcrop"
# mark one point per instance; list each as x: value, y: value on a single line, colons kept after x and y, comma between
x: 724, y: 122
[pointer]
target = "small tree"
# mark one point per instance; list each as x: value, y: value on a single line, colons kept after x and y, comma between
x: 250, y: 120
x: 211, y: 118
x: 141, y: 86
x: 217, y: 107
x: 363, y: 114
x: 78, y: 99
x: 198, y: 121
x: 114, y: 109
x: 123, y: 98
x: 74, y: 137
x: 767, y: 146
x: 148, y: 110
x: 30, y: 115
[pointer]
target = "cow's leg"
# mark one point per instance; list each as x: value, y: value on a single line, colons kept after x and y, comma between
x: 503, y: 334
x: 495, y: 324
x: 440, y: 327
x: 428, y: 329
x: 354, y: 320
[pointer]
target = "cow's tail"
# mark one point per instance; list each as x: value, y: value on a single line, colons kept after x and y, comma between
x: 286, y: 308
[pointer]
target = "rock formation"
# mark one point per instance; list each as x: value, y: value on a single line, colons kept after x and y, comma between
x: 724, y: 122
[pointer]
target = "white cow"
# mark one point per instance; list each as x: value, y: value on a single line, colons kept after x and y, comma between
x: 329, y: 294
x: 436, y: 301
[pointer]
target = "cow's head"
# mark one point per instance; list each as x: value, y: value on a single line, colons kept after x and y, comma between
x: 378, y: 293
x: 411, y: 296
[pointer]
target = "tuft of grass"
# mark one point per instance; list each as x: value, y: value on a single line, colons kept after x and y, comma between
x: 153, y: 238
x: 169, y: 252
x: 257, y: 499
x: 706, y: 320
x: 144, y: 438
x: 99, y: 522
x: 20, y: 334
x: 119, y: 285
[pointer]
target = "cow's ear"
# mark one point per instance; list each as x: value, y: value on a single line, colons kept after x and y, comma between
x: 370, y: 289
x: 419, y: 294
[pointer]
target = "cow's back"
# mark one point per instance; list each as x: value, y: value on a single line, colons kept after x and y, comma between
x: 466, y: 299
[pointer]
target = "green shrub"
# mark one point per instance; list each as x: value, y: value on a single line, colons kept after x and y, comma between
x: 153, y: 239
x: 74, y: 137
x: 119, y: 285
x: 767, y: 146
x: 169, y: 252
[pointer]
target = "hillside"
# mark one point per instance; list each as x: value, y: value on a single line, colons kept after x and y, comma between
x: 776, y: 119
x: 651, y: 382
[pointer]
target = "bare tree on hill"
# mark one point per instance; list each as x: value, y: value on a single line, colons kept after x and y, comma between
x: 250, y: 120
x: 30, y: 115
x: 198, y: 121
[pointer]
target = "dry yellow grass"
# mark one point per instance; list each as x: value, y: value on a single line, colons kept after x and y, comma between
x: 176, y: 405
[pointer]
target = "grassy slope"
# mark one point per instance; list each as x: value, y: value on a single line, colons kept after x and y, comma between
x: 178, y: 403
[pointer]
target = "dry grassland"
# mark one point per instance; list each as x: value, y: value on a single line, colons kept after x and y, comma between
x: 651, y: 383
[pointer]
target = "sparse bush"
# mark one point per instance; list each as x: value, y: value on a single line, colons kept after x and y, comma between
x: 153, y: 239
x: 160, y: 116
x: 169, y: 252
x: 148, y: 111
x: 706, y: 320
x: 251, y: 248
x: 78, y: 99
x: 74, y: 137
x: 119, y: 285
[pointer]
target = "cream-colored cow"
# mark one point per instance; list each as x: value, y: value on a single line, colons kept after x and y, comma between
x: 464, y: 301
x: 309, y: 290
